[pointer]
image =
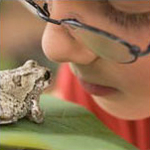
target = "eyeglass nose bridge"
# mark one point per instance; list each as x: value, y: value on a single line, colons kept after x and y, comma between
x: 44, y: 14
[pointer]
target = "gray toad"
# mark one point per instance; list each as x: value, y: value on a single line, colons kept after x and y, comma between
x: 20, y: 91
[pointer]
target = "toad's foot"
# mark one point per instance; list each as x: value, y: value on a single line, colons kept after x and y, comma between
x: 36, y: 114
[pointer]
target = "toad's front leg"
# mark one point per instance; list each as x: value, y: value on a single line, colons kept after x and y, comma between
x: 6, y: 114
x: 36, y: 113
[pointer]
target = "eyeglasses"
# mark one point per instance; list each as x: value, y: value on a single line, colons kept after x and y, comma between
x: 102, y: 43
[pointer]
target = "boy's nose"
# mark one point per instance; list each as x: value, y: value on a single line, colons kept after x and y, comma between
x: 60, y: 46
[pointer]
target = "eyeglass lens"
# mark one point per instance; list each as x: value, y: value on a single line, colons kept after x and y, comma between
x: 103, y: 46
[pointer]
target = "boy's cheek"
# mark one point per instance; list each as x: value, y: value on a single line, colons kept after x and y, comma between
x: 136, y: 77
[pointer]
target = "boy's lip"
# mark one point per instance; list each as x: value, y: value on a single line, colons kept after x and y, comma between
x: 97, y: 89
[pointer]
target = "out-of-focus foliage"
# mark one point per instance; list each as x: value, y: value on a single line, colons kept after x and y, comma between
x: 66, y: 127
x: 7, y: 63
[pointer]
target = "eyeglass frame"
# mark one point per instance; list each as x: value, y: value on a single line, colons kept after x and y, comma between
x: 45, y: 15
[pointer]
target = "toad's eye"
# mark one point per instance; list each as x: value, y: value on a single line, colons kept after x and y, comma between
x: 47, y: 75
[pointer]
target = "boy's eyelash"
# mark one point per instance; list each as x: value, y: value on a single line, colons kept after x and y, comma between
x: 126, y: 19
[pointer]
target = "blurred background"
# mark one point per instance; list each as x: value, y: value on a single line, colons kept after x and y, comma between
x: 20, y: 39
x: 20, y: 36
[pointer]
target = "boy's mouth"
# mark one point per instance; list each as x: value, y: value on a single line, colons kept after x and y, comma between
x: 97, y: 89
x: 93, y: 87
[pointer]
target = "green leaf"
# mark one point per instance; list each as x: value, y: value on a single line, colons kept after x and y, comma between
x: 66, y: 127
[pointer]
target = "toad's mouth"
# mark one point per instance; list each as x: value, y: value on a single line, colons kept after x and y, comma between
x: 42, y: 84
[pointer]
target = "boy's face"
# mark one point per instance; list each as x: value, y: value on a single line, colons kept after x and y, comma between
x: 127, y: 93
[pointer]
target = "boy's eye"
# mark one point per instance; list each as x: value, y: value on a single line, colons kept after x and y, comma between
x: 126, y: 18
x: 119, y: 12
x: 132, y: 6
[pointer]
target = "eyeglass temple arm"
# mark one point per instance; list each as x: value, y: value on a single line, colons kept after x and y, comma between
x: 46, y: 18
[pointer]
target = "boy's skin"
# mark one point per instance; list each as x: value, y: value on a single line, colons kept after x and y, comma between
x: 131, y: 100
